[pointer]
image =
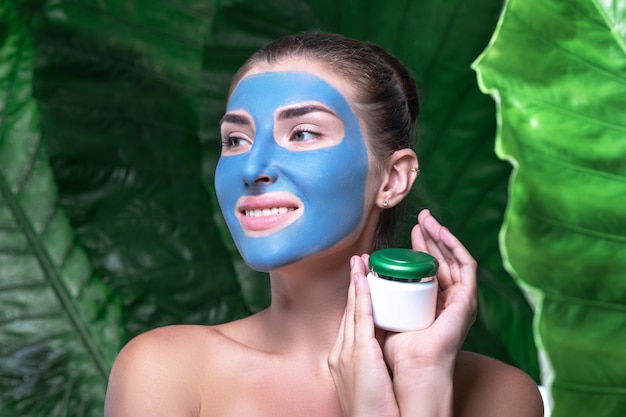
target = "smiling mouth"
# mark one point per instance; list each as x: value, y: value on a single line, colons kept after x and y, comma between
x: 266, y: 221
x: 267, y: 211
x: 264, y: 215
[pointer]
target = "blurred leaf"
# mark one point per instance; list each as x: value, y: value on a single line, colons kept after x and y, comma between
x: 558, y: 73
x: 117, y: 85
x: 58, y: 322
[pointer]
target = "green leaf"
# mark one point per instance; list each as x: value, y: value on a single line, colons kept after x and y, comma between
x: 558, y: 73
x: 117, y: 87
x: 58, y: 322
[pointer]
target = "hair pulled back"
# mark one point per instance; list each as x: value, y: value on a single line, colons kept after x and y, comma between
x: 386, y: 97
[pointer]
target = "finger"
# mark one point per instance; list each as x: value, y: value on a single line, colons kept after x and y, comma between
x: 430, y: 231
x: 417, y: 237
x: 348, y: 329
x: 433, y: 230
x: 418, y: 242
x: 430, y: 228
x: 364, y: 322
x: 460, y: 262
x: 449, y: 245
x: 347, y: 316
x: 458, y: 258
x: 335, y: 352
x: 366, y: 261
x: 337, y: 347
x: 456, y: 248
x: 455, y: 261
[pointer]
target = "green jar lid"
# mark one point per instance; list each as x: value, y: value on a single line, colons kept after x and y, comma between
x: 403, y: 264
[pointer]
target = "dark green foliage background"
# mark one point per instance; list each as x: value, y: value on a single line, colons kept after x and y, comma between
x: 127, y: 95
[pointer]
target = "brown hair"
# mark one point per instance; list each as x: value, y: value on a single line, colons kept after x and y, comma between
x: 386, y: 96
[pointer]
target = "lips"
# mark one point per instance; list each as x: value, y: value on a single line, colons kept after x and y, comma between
x: 263, y: 215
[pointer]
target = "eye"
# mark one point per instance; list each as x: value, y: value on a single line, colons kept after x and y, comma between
x: 234, y: 143
x: 236, y: 132
x: 303, y: 136
x: 231, y: 141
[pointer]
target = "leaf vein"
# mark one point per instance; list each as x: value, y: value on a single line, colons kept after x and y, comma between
x: 563, y: 110
x: 596, y: 234
x: 558, y: 46
x: 53, y: 277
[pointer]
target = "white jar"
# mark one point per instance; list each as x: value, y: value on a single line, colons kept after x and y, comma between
x: 404, y: 289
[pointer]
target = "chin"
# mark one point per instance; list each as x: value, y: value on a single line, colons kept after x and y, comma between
x: 264, y: 266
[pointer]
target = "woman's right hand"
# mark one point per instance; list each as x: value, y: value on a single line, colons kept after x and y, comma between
x: 356, y: 361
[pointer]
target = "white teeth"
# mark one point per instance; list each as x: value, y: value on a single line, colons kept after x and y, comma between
x: 268, y: 211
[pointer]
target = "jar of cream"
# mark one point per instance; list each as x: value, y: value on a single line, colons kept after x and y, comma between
x: 404, y: 289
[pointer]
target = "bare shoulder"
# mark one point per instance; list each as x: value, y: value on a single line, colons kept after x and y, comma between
x: 487, y: 387
x: 160, y: 348
x: 153, y: 373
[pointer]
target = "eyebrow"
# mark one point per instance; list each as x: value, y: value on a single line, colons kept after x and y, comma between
x: 235, y: 119
x: 302, y: 110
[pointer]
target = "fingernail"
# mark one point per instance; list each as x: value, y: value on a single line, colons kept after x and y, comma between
x: 352, y: 260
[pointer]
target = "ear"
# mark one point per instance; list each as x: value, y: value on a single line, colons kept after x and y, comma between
x: 401, y: 170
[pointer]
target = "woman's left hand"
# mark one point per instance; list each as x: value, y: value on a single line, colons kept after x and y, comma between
x: 423, y: 361
x: 456, y: 303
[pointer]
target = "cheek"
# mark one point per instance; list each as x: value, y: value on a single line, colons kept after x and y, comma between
x: 227, y: 180
x: 339, y: 183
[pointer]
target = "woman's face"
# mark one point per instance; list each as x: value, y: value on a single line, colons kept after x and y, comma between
x: 291, y: 181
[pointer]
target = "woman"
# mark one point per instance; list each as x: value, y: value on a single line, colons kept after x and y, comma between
x: 316, y: 157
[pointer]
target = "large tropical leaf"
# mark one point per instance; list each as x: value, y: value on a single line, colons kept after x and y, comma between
x: 117, y: 87
x: 58, y: 322
x: 558, y: 72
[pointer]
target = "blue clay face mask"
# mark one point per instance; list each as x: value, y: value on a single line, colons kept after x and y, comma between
x: 292, y: 175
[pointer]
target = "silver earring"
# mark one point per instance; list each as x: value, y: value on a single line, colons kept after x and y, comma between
x: 385, y: 203
x: 415, y: 169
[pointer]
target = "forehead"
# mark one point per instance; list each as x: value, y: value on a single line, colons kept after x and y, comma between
x: 306, y: 66
x: 266, y: 92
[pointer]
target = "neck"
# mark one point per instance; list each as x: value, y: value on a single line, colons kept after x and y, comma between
x: 308, y: 302
x: 309, y: 298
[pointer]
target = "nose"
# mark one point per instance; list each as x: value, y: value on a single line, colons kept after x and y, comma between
x: 262, y: 178
x: 260, y: 168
